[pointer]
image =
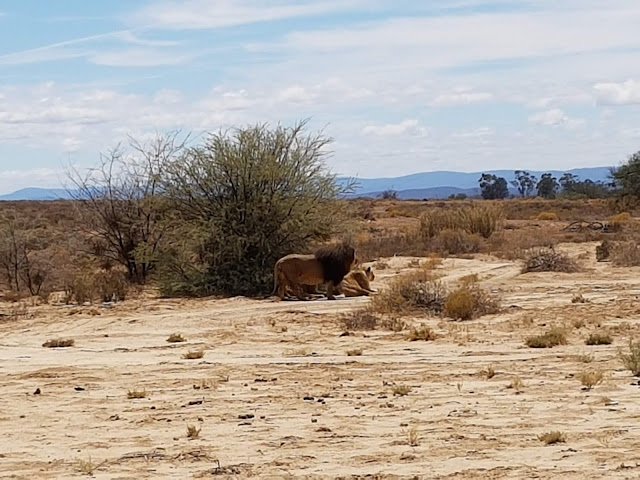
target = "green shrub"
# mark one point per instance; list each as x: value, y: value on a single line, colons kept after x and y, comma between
x: 631, y: 360
x: 250, y: 196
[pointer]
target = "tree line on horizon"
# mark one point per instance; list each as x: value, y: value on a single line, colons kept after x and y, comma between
x: 493, y: 187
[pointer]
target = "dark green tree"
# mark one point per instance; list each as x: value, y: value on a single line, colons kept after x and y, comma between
x: 525, y: 182
x: 246, y: 198
x: 493, y: 187
x: 547, y: 186
x: 568, y: 181
x: 626, y: 178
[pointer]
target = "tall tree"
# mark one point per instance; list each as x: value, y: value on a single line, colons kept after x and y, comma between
x: 493, y: 187
x: 525, y: 182
x: 626, y: 178
x: 547, y: 186
x: 120, y: 203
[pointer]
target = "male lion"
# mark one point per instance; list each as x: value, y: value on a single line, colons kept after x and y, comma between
x: 328, y: 265
x: 357, y: 283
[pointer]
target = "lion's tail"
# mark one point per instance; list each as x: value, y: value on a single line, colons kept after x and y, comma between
x: 275, y: 279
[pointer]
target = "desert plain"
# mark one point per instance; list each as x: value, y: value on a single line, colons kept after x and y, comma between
x: 281, y: 391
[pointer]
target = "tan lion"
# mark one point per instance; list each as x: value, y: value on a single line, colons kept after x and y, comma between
x: 357, y: 283
x: 328, y: 265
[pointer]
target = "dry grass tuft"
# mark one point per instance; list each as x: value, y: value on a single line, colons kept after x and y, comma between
x: 546, y: 216
x: 469, y: 302
x: 193, y: 431
x: 401, y: 390
x: 193, y: 355
x: 135, y: 394
x: 585, y: 358
x: 579, y: 299
x: 554, y: 337
x: 422, y: 332
x: 176, y: 338
x: 456, y: 242
x: 86, y: 467
x: 393, y: 324
x: 297, y: 352
x: 625, y: 254
x: 516, y: 383
x: 489, y: 373
x: 599, y: 339
x: 362, y: 319
x: 476, y: 219
x: 631, y: 360
x: 417, y: 291
x: 603, y: 251
x: 548, y: 260
x: 59, y: 343
x: 413, y: 437
x: 470, y: 279
x: 551, y: 438
x: 591, y: 378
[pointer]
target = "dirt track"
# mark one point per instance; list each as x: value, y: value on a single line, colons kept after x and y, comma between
x: 314, y: 411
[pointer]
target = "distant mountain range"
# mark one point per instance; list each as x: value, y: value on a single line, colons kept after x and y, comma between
x: 34, y: 193
x: 439, y: 184
x: 442, y: 184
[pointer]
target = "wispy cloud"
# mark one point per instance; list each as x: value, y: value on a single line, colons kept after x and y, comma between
x: 199, y: 14
x: 461, y: 97
x: 409, y: 126
x: 93, y: 48
x: 556, y: 118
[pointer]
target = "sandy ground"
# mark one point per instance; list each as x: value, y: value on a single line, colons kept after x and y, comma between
x: 276, y: 395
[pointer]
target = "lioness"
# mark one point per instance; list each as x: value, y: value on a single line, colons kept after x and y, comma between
x: 357, y: 283
x: 328, y: 265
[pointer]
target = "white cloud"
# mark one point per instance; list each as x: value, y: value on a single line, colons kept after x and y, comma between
x: 626, y: 93
x: 555, y: 118
x: 329, y: 91
x: 409, y: 127
x: 448, y: 41
x: 461, y: 97
x: 480, y: 132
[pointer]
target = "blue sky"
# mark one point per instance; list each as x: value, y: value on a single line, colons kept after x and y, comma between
x: 401, y: 86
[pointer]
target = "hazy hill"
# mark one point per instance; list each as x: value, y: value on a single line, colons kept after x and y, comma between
x: 439, y: 184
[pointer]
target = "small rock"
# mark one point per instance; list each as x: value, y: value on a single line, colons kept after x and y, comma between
x: 308, y: 398
x: 246, y: 416
x: 314, y: 420
x: 79, y: 389
x: 37, y: 392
